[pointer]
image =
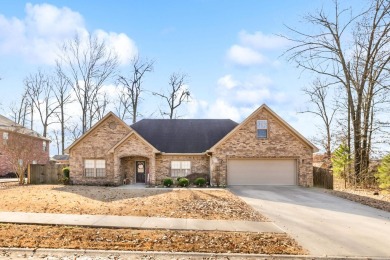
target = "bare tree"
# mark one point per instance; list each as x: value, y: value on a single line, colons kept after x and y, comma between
x: 99, y: 107
x: 87, y: 65
x: 74, y: 131
x: 317, y: 94
x: 40, y: 90
x: 130, y: 97
x: 56, y: 137
x: 61, y: 86
x: 352, y: 51
x: 177, y: 94
x: 21, y: 110
x: 123, y: 105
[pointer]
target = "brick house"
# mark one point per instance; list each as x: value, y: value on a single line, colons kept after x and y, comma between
x: 263, y: 149
x: 20, y: 144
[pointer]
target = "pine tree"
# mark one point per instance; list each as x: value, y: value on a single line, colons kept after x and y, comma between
x: 340, y: 160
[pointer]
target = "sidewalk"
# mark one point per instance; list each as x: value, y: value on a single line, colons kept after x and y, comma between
x: 137, y: 222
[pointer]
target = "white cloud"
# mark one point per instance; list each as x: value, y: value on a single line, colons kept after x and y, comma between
x: 249, y: 49
x: 228, y: 82
x: 245, y: 56
x: 124, y: 47
x: 221, y: 109
x: 236, y: 99
x: 259, y: 40
x: 37, y: 36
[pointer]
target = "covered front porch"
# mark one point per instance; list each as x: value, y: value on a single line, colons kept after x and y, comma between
x: 134, y: 170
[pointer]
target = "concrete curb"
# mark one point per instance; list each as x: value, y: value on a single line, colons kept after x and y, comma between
x: 11, y: 253
x: 100, y: 221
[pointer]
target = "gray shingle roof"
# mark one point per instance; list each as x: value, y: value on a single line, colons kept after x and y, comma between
x: 183, y: 135
x: 9, y: 125
x: 60, y: 157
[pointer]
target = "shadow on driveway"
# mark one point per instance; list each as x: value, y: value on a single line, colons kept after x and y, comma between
x: 308, y: 197
x: 322, y: 223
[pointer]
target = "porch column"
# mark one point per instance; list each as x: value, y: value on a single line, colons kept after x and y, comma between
x: 152, y: 169
x: 117, y: 170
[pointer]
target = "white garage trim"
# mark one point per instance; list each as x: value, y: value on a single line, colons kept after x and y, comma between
x: 262, y: 172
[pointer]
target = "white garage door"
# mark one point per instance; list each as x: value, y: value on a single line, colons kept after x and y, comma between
x: 261, y: 172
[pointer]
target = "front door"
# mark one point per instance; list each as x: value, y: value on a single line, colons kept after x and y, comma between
x: 140, y: 171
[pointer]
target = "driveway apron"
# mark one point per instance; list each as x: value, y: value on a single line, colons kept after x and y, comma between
x: 322, y: 223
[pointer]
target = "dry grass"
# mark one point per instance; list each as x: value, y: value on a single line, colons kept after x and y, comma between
x: 33, y: 236
x: 200, y: 204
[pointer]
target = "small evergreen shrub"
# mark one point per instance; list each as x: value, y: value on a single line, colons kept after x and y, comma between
x: 178, y: 178
x: 66, y: 176
x: 200, y: 182
x: 66, y: 172
x: 167, y: 182
x: 184, y: 182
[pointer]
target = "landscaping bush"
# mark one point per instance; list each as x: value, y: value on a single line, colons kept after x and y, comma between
x: 66, y: 175
x: 184, y: 182
x: 193, y: 176
x: 167, y: 182
x: 66, y: 172
x: 178, y: 178
x: 200, y: 182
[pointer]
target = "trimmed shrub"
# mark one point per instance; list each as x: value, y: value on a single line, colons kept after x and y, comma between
x: 200, y: 182
x: 66, y: 176
x: 184, y: 182
x: 167, y: 182
x: 178, y: 178
x: 66, y: 172
x: 193, y: 176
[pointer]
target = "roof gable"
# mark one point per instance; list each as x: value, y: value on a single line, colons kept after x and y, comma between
x: 99, y: 123
x: 277, y: 117
x: 127, y: 137
x: 183, y: 135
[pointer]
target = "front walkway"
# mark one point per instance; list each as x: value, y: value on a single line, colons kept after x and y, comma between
x: 137, y: 222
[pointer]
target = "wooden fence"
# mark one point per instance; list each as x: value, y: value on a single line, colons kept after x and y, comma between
x: 322, y: 178
x: 45, y: 173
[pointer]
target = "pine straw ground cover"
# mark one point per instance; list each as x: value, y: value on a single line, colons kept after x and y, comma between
x: 186, y: 203
x: 35, y: 236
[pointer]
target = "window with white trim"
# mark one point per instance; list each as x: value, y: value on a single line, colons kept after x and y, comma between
x: 95, y: 168
x: 180, y: 168
x: 44, y: 146
x: 262, y: 129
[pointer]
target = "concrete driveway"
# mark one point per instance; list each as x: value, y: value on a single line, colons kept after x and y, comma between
x: 322, y: 223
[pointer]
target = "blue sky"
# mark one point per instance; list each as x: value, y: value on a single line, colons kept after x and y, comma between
x: 229, y: 49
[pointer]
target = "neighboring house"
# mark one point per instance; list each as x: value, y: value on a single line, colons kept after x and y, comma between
x: 17, y: 140
x: 60, y: 159
x: 319, y: 161
x: 262, y: 150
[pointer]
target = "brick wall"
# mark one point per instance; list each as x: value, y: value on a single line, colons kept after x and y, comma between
x: 131, y: 150
x: 28, y: 147
x: 95, y: 145
x: 281, y: 143
x: 199, y: 164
